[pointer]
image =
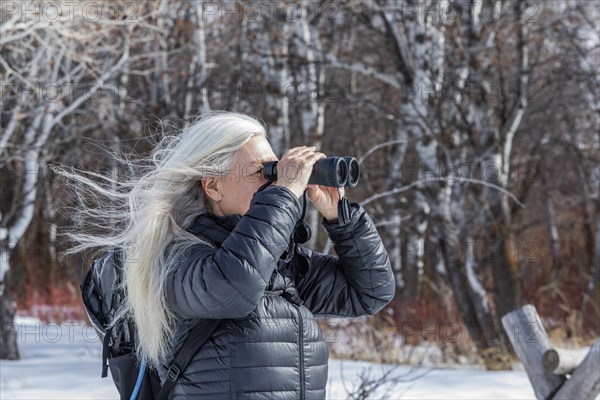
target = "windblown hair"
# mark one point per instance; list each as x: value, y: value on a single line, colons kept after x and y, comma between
x: 148, y: 213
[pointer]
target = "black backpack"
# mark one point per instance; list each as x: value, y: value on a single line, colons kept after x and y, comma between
x: 102, y: 297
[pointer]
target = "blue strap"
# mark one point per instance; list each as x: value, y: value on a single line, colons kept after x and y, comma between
x: 140, y: 378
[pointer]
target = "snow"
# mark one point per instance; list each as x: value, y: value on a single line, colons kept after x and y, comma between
x: 62, y: 361
x: 431, y: 383
x: 58, y: 361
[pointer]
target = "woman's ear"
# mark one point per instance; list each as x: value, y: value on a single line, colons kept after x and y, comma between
x: 212, y: 187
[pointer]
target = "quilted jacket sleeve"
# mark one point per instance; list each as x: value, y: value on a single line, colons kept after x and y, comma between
x: 358, y: 281
x: 228, y: 282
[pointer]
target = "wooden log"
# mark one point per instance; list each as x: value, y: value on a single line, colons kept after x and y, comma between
x: 530, y: 341
x: 560, y: 361
x: 585, y: 380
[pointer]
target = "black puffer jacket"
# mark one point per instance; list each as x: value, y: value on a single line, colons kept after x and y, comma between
x: 268, y: 345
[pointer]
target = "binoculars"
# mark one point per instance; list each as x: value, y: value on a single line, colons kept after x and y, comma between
x: 330, y: 171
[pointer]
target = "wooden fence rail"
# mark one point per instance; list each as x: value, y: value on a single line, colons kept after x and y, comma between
x: 547, y: 367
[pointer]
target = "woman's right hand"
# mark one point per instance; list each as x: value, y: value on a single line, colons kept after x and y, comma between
x: 295, y: 167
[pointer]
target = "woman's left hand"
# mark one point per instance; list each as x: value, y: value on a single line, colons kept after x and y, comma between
x: 325, y: 199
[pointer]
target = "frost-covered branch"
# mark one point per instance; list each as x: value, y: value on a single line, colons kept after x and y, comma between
x: 377, y: 147
x: 440, y: 179
x: 364, y: 70
x: 97, y: 85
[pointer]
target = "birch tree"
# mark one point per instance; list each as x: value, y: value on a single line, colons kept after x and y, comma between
x: 452, y: 131
x: 443, y: 102
x: 311, y: 83
x: 38, y: 62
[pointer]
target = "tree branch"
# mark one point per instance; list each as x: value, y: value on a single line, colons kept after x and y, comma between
x: 440, y: 179
x: 364, y: 70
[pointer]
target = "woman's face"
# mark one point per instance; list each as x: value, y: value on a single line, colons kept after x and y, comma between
x: 232, y: 193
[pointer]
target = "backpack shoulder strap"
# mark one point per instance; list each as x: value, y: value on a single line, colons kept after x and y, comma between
x: 194, y: 341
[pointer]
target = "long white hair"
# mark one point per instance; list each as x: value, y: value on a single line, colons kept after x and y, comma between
x: 151, y: 210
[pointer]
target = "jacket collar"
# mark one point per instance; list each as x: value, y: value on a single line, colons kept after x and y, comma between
x: 214, y: 227
x: 217, y: 228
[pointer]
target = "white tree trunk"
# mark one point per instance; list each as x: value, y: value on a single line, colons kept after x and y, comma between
x: 4, y: 265
x: 393, y: 231
x: 314, y: 114
x: 202, y: 73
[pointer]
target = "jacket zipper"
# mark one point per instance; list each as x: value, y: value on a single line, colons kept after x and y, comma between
x: 301, y: 343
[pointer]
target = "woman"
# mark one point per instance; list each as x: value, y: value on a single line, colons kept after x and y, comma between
x: 211, y: 240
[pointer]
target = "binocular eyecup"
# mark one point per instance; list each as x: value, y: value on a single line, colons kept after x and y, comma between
x: 330, y: 171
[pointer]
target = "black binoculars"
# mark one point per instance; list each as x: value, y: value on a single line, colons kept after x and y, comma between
x: 330, y: 171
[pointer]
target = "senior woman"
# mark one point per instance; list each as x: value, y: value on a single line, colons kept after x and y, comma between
x: 211, y: 240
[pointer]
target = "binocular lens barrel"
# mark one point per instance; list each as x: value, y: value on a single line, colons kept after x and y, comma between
x: 330, y: 171
x: 270, y: 170
x: 353, y: 171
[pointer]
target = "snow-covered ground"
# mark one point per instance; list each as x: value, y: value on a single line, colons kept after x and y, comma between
x: 62, y: 361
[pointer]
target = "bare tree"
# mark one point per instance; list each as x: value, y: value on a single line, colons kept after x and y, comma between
x: 447, y: 67
x: 37, y: 60
x: 443, y: 102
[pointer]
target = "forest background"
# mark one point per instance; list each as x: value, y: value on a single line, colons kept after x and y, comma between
x: 476, y: 124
